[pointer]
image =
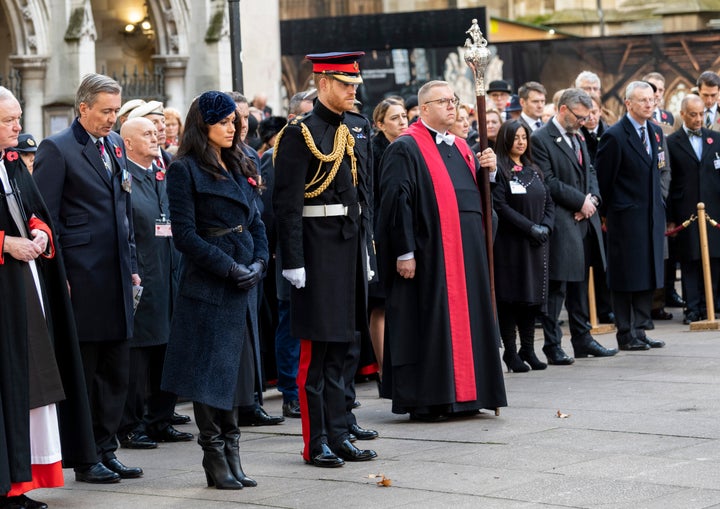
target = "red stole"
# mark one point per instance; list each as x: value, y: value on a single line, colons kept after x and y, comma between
x: 451, y: 237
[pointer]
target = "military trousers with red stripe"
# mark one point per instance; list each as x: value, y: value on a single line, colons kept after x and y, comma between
x: 321, y: 388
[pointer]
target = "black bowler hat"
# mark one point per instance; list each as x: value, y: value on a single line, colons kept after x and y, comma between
x: 26, y: 143
x: 342, y: 66
x: 500, y: 86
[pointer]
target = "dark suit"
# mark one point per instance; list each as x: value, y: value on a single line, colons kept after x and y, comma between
x: 695, y: 180
x: 573, y: 244
x: 93, y: 218
x: 633, y: 205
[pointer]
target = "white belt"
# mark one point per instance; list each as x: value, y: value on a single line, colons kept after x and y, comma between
x: 336, y: 209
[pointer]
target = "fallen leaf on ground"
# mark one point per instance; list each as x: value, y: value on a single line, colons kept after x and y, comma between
x: 561, y: 415
x: 383, y: 481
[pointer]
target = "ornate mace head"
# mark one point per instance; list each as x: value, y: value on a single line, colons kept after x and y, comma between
x: 477, y: 56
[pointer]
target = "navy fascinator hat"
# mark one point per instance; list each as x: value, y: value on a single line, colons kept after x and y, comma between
x: 215, y: 106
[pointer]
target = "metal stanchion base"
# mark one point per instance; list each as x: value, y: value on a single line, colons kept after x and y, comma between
x: 705, y: 325
x: 603, y: 328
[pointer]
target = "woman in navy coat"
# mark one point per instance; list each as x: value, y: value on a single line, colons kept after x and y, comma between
x: 211, y: 187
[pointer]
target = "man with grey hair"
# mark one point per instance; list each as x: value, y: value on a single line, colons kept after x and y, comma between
x: 589, y: 82
x: 629, y: 162
x: 82, y: 175
x: 576, y: 241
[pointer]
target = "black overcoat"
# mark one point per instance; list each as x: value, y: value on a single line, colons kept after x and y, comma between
x: 521, y: 268
x: 156, y: 257
x: 569, y: 183
x: 212, y: 317
x: 694, y: 181
x: 331, y: 249
x: 633, y: 205
x: 75, y: 423
x: 93, y: 217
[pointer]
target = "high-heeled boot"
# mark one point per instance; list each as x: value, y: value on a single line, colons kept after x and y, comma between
x: 527, y: 345
x: 510, y: 355
x: 232, y: 454
x: 217, y: 469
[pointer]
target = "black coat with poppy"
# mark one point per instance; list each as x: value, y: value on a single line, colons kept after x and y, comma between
x: 157, y: 258
x: 93, y: 217
x: 16, y: 376
x: 428, y: 361
x: 569, y: 183
x: 694, y: 181
x: 213, y: 319
x: 333, y: 250
x: 630, y: 184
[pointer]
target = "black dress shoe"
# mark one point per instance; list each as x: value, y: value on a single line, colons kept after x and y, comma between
x: 652, y: 343
x: 356, y: 404
x: 291, y: 409
x: 427, y: 417
x: 691, y: 316
x: 123, y: 471
x: 556, y: 356
x: 632, y: 343
x: 170, y: 434
x: 21, y: 502
x: 660, y: 314
x: 362, y: 433
x: 137, y: 440
x: 325, y: 458
x: 96, y: 474
x: 349, y: 452
x: 178, y: 419
x: 589, y: 346
x: 259, y: 418
x: 673, y: 300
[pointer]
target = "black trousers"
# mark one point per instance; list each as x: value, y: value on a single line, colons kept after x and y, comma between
x: 146, y: 363
x: 694, y: 282
x: 632, y: 313
x: 322, y: 394
x: 106, y: 365
x: 352, y: 361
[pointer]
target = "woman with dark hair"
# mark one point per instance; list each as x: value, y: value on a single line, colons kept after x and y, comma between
x: 391, y: 120
x: 211, y: 188
x: 526, y: 214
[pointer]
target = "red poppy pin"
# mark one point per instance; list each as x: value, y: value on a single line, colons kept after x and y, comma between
x: 517, y: 168
x: 657, y: 137
x: 118, y: 152
x: 252, y: 182
x: 160, y: 175
x: 709, y: 141
x: 663, y: 115
x: 11, y: 155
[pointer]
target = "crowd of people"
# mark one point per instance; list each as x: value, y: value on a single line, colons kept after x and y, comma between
x: 154, y: 256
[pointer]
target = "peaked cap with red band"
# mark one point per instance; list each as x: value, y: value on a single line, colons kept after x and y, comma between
x: 342, y: 66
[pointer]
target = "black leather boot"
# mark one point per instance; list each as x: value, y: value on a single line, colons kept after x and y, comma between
x: 527, y: 344
x: 510, y: 356
x: 217, y: 469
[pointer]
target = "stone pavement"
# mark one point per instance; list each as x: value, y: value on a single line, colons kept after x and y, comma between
x: 642, y: 431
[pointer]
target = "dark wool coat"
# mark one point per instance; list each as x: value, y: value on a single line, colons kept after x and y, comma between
x: 157, y: 259
x: 16, y: 375
x: 212, y: 316
x: 633, y: 205
x: 332, y: 249
x: 694, y: 181
x: 521, y: 268
x: 93, y: 217
x: 569, y: 183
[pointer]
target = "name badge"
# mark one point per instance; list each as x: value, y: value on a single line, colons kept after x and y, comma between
x: 162, y: 227
x: 517, y: 188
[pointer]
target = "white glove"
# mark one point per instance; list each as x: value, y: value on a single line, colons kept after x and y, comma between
x: 370, y: 272
x: 295, y: 276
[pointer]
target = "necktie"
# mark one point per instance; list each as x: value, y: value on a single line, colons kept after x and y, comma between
x: 708, y: 118
x: 576, y: 147
x: 644, y: 139
x: 12, y: 201
x: 538, y: 124
x: 103, y: 155
x: 160, y: 163
x: 695, y: 132
x: 447, y: 138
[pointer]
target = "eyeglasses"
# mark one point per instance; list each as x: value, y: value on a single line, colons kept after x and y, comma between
x: 445, y: 101
x: 578, y: 117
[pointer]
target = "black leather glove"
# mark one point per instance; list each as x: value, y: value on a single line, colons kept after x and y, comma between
x: 538, y: 234
x: 238, y: 273
x: 253, y: 277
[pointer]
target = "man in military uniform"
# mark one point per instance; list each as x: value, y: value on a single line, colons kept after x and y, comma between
x: 321, y: 202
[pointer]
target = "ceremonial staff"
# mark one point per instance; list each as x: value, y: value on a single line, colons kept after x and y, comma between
x: 477, y: 57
